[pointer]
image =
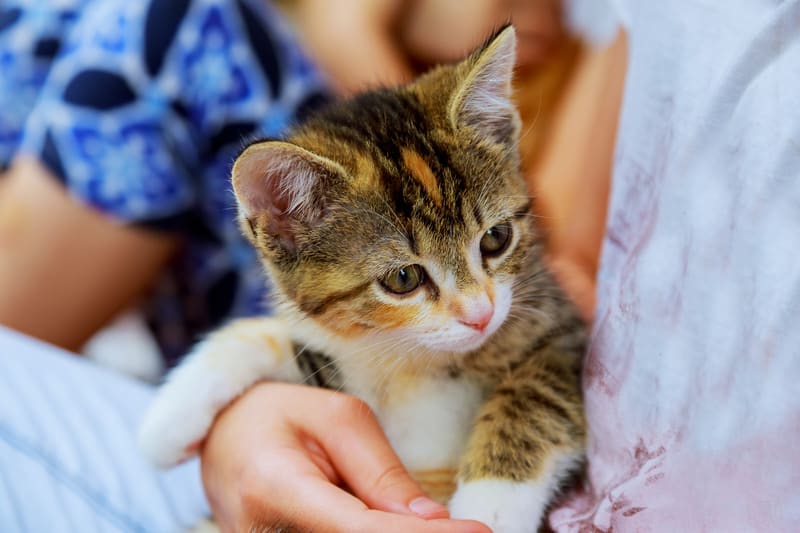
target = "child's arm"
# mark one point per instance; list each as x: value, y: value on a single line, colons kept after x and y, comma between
x: 65, y: 269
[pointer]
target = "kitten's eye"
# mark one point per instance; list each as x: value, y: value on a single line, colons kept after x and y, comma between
x: 404, y: 279
x: 496, y: 239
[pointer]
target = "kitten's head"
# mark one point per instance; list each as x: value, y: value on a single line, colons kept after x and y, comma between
x: 400, y: 212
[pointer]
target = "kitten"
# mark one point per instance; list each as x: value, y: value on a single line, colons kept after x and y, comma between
x: 396, y: 228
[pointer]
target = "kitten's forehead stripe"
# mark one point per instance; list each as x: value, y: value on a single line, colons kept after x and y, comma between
x: 476, y: 212
x: 366, y: 174
x: 420, y: 171
x: 410, y: 151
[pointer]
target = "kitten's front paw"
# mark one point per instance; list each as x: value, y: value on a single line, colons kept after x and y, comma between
x: 503, y: 505
x: 218, y: 370
x: 179, y: 417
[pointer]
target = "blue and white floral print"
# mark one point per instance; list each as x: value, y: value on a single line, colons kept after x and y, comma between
x: 139, y: 108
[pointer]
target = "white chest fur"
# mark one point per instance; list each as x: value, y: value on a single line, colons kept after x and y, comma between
x: 427, y: 419
x: 429, y: 427
x: 428, y: 422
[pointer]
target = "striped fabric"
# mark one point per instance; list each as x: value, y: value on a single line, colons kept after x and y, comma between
x: 68, y: 456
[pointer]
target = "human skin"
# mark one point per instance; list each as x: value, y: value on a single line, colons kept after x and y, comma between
x: 572, y: 177
x: 287, y: 451
x: 432, y: 34
x: 62, y: 288
x: 65, y: 269
x: 365, y: 43
x: 353, y: 41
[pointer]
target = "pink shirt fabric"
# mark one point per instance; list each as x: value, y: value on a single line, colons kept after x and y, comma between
x: 692, y: 381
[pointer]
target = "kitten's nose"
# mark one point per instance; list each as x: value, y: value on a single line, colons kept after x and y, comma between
x: 477, y: 313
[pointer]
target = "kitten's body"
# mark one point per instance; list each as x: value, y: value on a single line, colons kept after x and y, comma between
x: 396, y: 229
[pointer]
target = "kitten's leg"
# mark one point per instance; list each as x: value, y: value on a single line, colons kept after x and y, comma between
x: 528, y: 438
x: 216, y: 371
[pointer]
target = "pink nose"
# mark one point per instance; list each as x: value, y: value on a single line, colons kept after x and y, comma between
x: 478, y: 314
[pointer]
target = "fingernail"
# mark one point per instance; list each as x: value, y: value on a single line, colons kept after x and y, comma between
x: 426, y: 507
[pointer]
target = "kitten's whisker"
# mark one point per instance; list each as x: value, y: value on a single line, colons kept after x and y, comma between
x: 530, y: 312
x: 320, y: 369
x: 509, y: 196
x: 533, y: 121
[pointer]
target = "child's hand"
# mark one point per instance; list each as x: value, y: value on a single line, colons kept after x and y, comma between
x: 279, y: 455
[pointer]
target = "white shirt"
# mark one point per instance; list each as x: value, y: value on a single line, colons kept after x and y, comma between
x: 692, y: 382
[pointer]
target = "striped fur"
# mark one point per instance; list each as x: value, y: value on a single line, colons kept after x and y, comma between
x: 419, y: 171
x: 478, y: 369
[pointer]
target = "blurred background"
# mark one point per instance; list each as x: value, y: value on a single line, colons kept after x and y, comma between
x: 119, y: 122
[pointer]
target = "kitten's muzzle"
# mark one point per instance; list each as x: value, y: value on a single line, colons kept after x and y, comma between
x: 478, y: 315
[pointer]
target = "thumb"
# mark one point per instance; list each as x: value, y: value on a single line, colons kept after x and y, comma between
x: 363, y: 457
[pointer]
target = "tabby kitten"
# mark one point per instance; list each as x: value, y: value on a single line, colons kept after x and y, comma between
x: 396, y: 229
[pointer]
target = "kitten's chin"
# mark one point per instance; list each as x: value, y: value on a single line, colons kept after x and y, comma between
x: 469, y: 344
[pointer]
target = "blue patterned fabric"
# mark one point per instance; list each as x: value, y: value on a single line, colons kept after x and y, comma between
x: 140, y: 107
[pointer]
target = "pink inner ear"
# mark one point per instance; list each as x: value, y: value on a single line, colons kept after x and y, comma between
x: 274, y: 198
x: 278, y: 180
x: 260, y: 181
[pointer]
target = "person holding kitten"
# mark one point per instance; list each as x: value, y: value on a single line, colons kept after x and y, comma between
x: 690, y: 381
x: 137, y: 111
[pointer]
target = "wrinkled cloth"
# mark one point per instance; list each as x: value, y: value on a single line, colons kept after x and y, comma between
x: 693, y: 374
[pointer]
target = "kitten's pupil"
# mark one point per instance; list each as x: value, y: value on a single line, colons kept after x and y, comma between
x: 496, y: 240
x: 404, y: 279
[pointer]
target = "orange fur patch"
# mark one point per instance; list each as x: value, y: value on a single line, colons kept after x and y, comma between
x: 390, y: 316
x: 421, y: 172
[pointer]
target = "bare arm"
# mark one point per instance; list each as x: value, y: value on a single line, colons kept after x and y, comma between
x: 573, y: 176
x: 65, y: 270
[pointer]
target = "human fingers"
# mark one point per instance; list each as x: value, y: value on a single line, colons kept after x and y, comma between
x: 243, y: 444
x: 310, y: 503
x: 352, y: 438
x: 260, y: 469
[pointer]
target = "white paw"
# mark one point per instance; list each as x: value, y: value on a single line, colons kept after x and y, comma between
x: 219, y: 369
x: 181, y: 415
x: 505, y: 506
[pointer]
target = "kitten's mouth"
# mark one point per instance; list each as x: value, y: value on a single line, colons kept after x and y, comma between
x: 475, y: 341
x: 461, y: 342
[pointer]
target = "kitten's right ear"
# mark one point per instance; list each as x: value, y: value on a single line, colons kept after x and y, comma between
x: 482, y: 100
x: 277, y: 185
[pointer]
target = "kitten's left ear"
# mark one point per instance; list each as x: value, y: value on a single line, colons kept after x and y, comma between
x: 482, y: 99
x: 279, y: 185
